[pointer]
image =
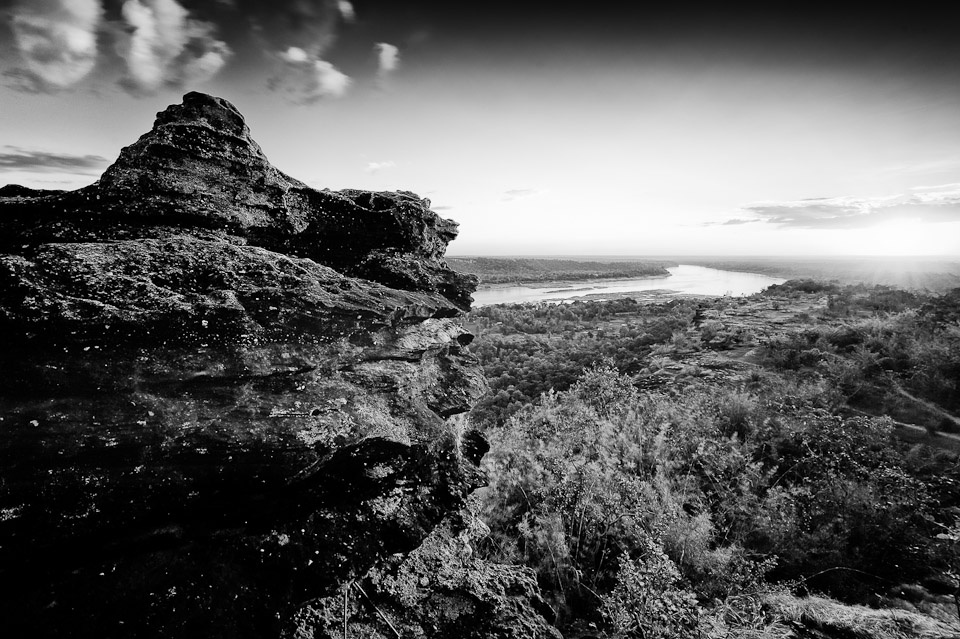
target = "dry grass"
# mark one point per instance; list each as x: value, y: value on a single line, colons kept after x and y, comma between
x: 834, y: 619
x: 715, y: 629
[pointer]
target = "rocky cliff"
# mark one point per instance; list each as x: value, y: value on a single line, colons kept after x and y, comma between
x: 226, y: 400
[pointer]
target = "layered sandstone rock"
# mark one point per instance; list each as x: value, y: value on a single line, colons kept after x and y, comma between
x: 223, y: 394
x: 199, y: 171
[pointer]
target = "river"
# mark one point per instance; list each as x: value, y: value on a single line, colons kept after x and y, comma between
x: 683, y: 280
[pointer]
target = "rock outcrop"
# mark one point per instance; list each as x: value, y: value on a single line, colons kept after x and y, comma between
x: 223, y: 394
x: 200, y: 171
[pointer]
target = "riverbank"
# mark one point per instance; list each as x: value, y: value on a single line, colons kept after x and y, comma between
x: 681, y: 280
x: 543, y: 271
x: 565, y: 285
x: 935, y: 274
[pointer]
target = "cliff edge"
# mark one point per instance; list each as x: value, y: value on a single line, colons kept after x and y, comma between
x: 226, y: 396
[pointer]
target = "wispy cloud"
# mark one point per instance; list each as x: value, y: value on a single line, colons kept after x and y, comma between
x: 14, y: 158
x: 953, y: 186
x: 306, y: 79
x: 388, y: 58
x: 310, y: 25
x: 298, y: 35
x: 24, y: 81
x: 931, y: 204
x: 374, y: 167
x: 159, y: 42
x: 57, y: 41
x: 950, y: 164
x: 346, y: 11
x: 146, y: 45
x: 516, y: 194
x: 164, y: 45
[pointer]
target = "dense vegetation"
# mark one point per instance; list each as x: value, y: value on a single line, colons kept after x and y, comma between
x: 492, y: 270
x: 528, y: 350
x: 669, y: 470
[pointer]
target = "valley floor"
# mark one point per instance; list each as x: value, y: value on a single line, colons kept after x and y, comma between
x: 732, y: 456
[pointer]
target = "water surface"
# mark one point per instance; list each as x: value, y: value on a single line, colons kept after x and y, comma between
x: 683, y: 280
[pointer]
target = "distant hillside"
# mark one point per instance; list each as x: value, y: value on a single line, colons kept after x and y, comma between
x: 493, y: 270
x: 908, y: 273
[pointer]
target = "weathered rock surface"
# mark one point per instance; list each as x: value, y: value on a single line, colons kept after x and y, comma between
x: 222, y: 394
x: 199, y: 170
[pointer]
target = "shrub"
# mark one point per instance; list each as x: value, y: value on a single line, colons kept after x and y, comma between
x: 648, y: 601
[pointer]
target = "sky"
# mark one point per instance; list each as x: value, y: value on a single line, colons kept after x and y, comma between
x: 543, y: 128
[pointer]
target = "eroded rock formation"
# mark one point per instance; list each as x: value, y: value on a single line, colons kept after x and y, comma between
x: 223, y: 395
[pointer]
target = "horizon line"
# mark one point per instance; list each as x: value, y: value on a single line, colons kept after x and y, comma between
x: 663, y: 256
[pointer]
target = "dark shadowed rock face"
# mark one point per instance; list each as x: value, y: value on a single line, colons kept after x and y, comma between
x: 222, y: 394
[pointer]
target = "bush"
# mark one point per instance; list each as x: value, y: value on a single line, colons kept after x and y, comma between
x: 648, y: 601
x: 792, y: 287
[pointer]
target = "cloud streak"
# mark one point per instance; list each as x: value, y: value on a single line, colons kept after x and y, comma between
x: 517, y: 194
x: 922, y: 204
x: 374, y: 167
x: 14, y: 158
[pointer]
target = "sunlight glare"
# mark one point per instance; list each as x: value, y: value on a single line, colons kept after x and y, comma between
x: 896, y: 237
